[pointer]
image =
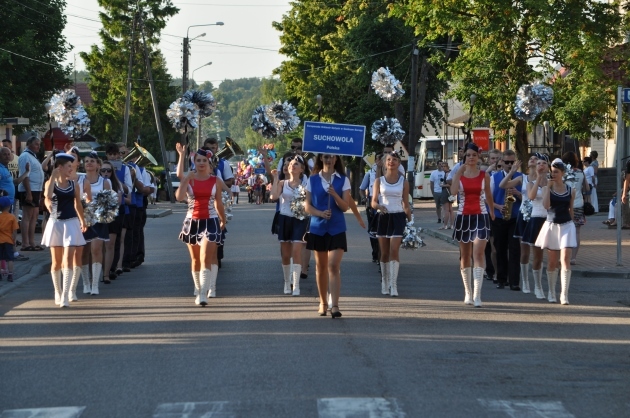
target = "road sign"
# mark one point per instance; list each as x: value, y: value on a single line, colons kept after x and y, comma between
x: 334, y: 138
x: 626, y: 96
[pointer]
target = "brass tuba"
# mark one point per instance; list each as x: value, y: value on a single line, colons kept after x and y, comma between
x: 230, y: 149
x: 143, y: 157
x: 507, y: 207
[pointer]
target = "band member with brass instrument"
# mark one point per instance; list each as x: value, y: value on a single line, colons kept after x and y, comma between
x: 507, y: 204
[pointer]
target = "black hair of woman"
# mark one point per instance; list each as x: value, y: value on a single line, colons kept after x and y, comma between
x: 319, y: 164
x: 472, y: 146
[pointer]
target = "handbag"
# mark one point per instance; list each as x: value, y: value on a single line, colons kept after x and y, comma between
x: 589, y: 209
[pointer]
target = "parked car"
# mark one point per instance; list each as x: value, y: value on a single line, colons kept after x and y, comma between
x: 174, y: 183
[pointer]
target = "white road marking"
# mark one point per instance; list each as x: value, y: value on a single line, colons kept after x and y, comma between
x: 61, y: 412
x: 195, y: 410
x: 527, y: 409
x: 359, y: 408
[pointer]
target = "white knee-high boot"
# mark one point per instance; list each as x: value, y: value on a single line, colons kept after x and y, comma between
x: 565, y: 281
x: 296, y: 270
x: 466, y: 278
x: 76, y: 272
x: 56, y: 279
x: 286, y: 271
x: 552, y: 277
x: 195, y: 276
x: 538, y: 289
x: 393, y: 277
x: 478, y: 282
x: 525, y: 278
x: 96, y: 276
x: 212, y: 281
x: 385, y: 278
x: 67, y: 275
x: 204, y: 285
x: 85, y: 273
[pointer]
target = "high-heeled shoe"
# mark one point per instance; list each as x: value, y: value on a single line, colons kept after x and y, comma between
x: 334, y: 314
x: 322, y: 309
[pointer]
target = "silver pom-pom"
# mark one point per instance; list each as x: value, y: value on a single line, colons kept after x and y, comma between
x: 411, y: 238
x: 386, y: 85
x: 387, y: 131
x: 204, y: 101
x: 526, y: 209
x: 88, y: 211
x: 105, y: 206
x: 298, y: 203
x: 262, y: 124
x: 532, y: 100
x: 283, y: 116
x: 227, y: 205
x: 183, y: 113
x: 66, y: 109
x: 569, y: 174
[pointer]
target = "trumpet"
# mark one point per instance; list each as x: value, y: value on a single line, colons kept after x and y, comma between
x: 507, y: 207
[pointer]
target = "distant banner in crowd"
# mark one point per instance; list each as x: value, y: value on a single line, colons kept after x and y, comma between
x: 334, y: 138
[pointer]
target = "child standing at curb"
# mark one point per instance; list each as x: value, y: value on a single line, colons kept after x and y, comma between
x: 8, y: 233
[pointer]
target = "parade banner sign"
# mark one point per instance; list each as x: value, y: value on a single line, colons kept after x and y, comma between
x: 334, y: 138
x: 259, y: 171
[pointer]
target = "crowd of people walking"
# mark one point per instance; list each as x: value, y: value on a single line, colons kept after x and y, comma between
x: 502, y: 214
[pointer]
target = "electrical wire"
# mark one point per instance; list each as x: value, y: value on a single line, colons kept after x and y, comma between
x: 28, y: 58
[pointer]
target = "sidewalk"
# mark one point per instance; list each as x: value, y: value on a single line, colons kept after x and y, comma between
x: 597, y: 256
x: 23, y: 271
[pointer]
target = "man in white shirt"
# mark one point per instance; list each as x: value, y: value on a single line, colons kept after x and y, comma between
x: 30, y: 191
x: 437, y: 181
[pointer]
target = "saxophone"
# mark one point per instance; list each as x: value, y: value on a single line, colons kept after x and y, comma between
x: 507, y: 207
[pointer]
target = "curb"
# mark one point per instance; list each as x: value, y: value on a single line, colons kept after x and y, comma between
x: 602, y: 274
x: 35, y: 271
x: 160, y: 213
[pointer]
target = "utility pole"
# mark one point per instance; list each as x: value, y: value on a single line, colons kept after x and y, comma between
x: 156, y: 111
x: 185, y: 66
x: 411, y: 143
x: 132, y: 50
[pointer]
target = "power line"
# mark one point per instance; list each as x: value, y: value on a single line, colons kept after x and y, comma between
x: 28, y: 58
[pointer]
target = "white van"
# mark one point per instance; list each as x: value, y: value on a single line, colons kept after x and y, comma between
x: 429, y: 151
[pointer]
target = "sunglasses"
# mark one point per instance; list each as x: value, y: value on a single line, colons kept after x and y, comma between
x: 296, y: 146
x: 106, y: 170
x: 499, y: 166
x: 508, y: 162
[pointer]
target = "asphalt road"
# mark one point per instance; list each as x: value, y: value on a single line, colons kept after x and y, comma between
x: 143, y: 349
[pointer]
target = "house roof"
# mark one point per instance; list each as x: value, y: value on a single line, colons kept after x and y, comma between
x: 82, y: 90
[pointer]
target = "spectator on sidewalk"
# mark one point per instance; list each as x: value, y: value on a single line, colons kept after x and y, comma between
x: 595, y: 165
x: 30, y: 191
x: 436, y: 180
x: 8, y: 234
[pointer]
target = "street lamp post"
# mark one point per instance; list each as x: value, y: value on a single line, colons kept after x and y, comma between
x: 186, y: 52
x: 199, y: 123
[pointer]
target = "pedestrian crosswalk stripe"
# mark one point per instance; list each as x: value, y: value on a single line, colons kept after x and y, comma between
x: 222, y: 409
x: 60, y: 412
x: 517, y: 409
x: 359, y: 407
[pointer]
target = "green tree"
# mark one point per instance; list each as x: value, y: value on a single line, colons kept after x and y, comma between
x: 333, y: 51
x: 506, y: 44
x: 32, y: 49
x: 108, y: 66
